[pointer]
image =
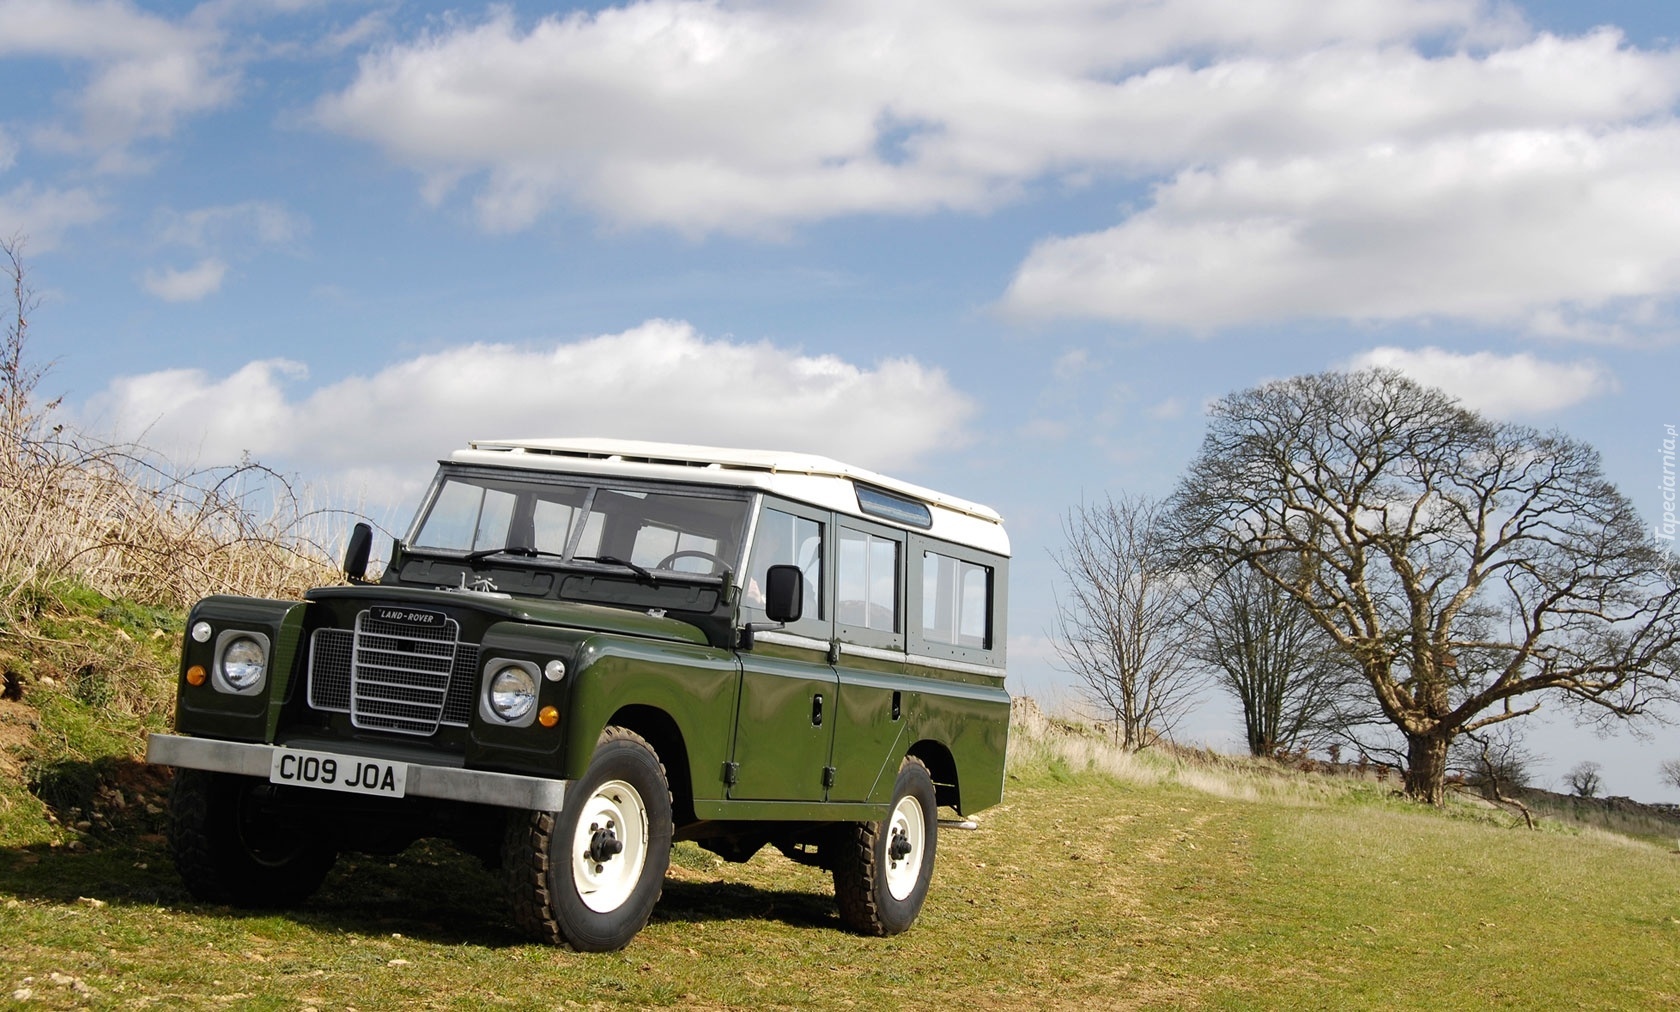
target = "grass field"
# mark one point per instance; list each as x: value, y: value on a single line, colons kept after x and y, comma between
x: 1143, y: 886
x: 1103, y: 881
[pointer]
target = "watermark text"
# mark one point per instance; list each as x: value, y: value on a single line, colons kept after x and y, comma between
x: 1665, y: 530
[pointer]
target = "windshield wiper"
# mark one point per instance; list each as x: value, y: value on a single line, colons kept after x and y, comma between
x: 530, y: 553
x: 613, y: 560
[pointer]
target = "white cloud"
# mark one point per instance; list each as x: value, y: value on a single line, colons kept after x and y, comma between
x: 228, y: 232
x: 745, y: 117
x: 145, y: 72
x: 1071, y: 365
x: 1492, y: 226
x: 1168, y: 410
x: 8, y: 150
x: 187, y: 285
x: 1367, y: 159
x: 44, y: 215
x: 1503, y: 386
x: 361, y: 31
x: 659, y: 381
x: 244, y: 224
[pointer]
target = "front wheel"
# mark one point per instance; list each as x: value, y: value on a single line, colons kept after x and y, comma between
x: 882, y: 869
x: 230, y: 848
x: 589, y: 875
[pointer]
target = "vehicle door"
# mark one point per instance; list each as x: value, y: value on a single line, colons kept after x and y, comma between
x: 874, y: 691
x: 785, y: 721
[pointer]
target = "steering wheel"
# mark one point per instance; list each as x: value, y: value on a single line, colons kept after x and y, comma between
x: 691, y: 553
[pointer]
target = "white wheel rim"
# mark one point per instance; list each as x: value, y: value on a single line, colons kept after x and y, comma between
x: 907, y: 822
x: 604, y: 884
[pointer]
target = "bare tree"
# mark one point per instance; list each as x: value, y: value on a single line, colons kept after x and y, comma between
x: 1120, y: 611
x: 1268, y: 654
x: 1585, y: 780
x: 1496, y: 762
x: 1669, y: 771
x: 1467, y: 566
x: 18, y: 376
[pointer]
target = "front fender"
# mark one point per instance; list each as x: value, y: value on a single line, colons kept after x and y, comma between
x: 695, y: 686
x: 205, y: 711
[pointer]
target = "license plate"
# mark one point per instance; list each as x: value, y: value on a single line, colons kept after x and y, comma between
x: 329, y: 772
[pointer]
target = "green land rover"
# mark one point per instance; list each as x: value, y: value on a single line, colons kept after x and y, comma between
x: 583, y: 650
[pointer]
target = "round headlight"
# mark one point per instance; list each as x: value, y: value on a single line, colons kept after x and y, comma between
x: 243, y: 663
x: 201, y: 632
x: 513, y: 691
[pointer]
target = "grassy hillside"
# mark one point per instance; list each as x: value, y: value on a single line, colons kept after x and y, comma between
x: 1103, y: 880
x: 87, y: 677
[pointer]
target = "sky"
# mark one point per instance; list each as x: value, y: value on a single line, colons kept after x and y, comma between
x: 1008, y: 249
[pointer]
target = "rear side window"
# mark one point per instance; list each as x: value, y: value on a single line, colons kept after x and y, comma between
x: 867, y: 590
x: 956, y: 601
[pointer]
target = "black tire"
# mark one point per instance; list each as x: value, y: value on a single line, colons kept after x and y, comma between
x: 566, y: 882
x: 882, y: 869
x: 229, y: 850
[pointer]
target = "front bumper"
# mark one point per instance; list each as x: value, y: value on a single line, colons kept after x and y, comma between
x: 507, y: 790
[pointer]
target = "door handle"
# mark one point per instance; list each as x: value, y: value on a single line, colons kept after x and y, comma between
x: 816, y: 710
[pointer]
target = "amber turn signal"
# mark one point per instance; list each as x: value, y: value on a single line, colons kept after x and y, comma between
x: 196, y: 675
x: 548, y: 716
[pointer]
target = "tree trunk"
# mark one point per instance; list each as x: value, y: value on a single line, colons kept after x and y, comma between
x: 1260, y: 743
x: 1426, y: 768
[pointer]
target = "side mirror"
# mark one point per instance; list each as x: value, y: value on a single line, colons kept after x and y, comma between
x: 356, y: 553
x: 784, y: 594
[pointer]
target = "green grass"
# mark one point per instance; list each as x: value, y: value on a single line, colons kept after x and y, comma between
x: 1082, y: 890
x: 97, y: 675
x: 1103, y: 881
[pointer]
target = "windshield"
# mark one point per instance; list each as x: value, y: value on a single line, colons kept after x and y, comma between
x: 610, y: 523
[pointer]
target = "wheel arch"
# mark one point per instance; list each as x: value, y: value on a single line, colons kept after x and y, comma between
x: 661, y: 731
x: 942, y: 768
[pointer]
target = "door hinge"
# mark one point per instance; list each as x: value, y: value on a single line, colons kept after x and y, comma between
x: 828, y: 777
x: 731, y: 773
x: 834, y: 651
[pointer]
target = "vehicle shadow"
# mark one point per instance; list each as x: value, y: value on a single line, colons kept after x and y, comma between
x: 430, y: 892
x: 690, y: 901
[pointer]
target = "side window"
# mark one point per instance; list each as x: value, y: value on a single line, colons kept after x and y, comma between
x: 783, y: 539
x: 956, y: 601
x: 866, y: 594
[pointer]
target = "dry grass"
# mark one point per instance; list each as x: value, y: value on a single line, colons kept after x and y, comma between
x: 1037, y: 740
x: 117, y: 520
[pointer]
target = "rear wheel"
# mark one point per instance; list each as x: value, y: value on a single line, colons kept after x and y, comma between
x: 882, y: 869
x: 589, y: 875
x: 230, y: 848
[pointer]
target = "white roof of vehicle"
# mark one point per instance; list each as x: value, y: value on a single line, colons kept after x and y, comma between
x: 804, y: 477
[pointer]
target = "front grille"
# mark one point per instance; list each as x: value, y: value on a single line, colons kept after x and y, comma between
x: 392, y: 676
